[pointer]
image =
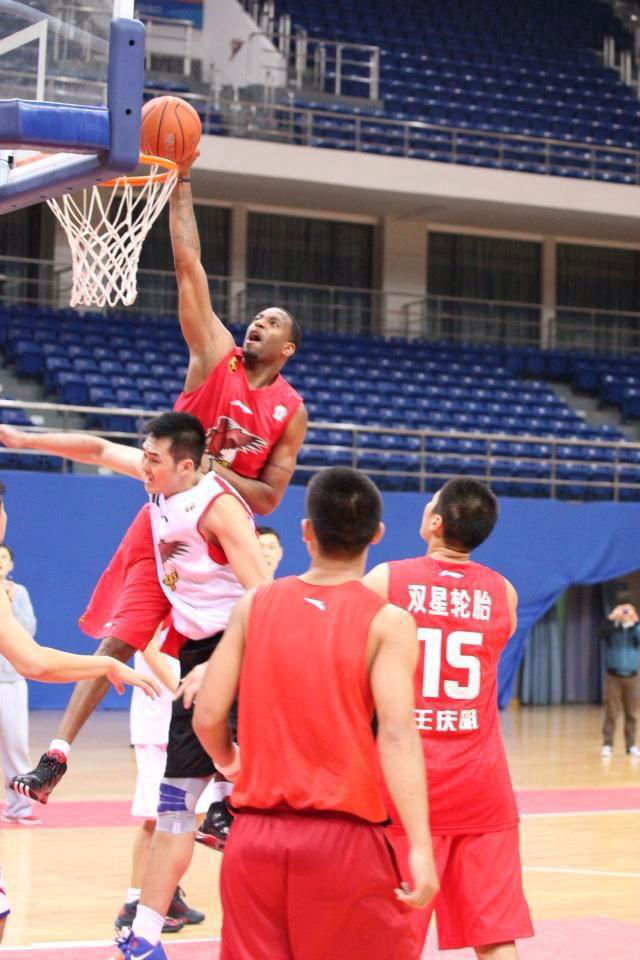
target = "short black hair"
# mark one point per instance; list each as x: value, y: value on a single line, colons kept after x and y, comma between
x: 5, y: 546
x: 344, y: 507
x: 186, y: 433
x: 469, y: 511
x: 295, y: 330
x: 261, y: 531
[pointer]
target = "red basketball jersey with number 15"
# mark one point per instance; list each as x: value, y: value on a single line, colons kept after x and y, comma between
x: 462, y: 614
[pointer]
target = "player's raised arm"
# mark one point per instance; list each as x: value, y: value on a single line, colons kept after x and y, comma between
x: 264, y: 493
x: 394, y: 634
x: 228, y: 523
x: 81, y: 447
x: 206, y: 336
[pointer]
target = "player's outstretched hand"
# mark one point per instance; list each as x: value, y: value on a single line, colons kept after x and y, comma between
x: 189, y: 686
x: 424, y: 876
x: 10, y: 437
x: 120, y: 674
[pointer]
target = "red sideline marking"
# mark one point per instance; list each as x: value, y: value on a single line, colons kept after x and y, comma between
x: 84, y: 813
x: 102, y: 813
x: 585, y: 938
x: 577, y: 801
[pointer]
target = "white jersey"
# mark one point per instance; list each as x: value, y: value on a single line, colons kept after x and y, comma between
x: 149, y: 718
x: 195, y: 575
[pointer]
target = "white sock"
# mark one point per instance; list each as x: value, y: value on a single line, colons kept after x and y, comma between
x: 148, y: 924
x: 133, y: 894
x: 220, y: 789
x: 62, y: 746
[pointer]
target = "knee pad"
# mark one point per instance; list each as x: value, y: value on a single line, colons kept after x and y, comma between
x: 177, y: 804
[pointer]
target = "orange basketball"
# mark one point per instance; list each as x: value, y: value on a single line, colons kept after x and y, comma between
x: 170, y: 128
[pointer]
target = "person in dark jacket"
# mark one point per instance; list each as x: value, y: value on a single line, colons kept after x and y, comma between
x: 620, y: 632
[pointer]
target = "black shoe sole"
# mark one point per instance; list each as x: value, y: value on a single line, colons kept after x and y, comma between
x: 208, y: 841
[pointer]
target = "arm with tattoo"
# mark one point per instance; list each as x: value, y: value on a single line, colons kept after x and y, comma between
x: 206, y: 336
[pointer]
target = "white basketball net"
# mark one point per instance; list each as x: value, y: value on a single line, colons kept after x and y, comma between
x: 106, y: 227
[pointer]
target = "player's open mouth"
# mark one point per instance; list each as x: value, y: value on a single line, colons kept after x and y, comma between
x: 254, y: 337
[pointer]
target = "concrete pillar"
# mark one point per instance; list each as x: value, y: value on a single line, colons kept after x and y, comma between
x: 548, y: 293
x: 238, y: 263
x: 403, y: 273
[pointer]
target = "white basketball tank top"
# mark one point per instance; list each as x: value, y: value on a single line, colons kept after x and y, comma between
x: 194, y: 574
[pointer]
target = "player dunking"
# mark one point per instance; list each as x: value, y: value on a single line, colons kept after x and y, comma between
x: 52, y: 666
x: 255, y: 424
x: 465, y: 614
x: 307, y: 872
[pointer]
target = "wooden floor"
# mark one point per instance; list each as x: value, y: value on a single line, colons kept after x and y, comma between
x: 580, y: 836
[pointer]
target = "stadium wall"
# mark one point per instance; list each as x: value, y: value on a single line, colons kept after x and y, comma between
x: 64, y: 529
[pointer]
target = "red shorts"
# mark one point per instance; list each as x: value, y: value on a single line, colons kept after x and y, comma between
x: 128, y: 602
x: 313, y: 887
x: 481, y: 900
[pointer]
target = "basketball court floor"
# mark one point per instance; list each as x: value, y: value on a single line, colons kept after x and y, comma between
x: 580, y: 847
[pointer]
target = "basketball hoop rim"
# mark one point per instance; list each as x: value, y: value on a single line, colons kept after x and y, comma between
x: 145, y: 159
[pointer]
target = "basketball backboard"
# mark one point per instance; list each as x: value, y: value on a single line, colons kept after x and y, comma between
x: 71, y: 79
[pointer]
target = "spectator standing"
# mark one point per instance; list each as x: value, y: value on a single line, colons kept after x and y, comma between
x: 620, y: 633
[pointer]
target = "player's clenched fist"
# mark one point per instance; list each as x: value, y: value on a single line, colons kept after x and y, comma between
x: 424, y: 876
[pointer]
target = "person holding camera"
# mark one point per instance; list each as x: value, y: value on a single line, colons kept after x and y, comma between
x: 620, y: 633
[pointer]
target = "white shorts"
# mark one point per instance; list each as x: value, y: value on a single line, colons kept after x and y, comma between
x: 4, y: 900
x: 151, y: 759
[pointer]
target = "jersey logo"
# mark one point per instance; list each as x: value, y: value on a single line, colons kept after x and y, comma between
x: 318, y: 604
x: 280, y: 412
x: 243, y: 406
x: 227, y: 439
x: 233, y: 364
x: 167, y: 550
x: 451, y: 573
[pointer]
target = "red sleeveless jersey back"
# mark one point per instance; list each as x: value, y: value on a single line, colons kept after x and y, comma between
x: 305, y: 702
x: 242, y: 425
x: 462, y: 615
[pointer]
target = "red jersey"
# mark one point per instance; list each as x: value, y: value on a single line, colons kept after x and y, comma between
x: 242, y: 425
x: 462, y: 614
x: 305, y: 704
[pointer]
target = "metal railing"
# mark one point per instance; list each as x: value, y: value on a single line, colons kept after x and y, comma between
x: 489, y: 462
x: 462, y: 319
x: 472, y: 321
x: 351, y: 310
x: 225, y: 113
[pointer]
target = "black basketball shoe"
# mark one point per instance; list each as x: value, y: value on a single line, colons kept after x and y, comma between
x: 179, y: 910
x: 39, y: 783
x: 215, y: 827
x: 127, y: 915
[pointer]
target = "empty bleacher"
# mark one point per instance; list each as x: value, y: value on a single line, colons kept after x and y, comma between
x: 488, y: 409
x: 515, y: 69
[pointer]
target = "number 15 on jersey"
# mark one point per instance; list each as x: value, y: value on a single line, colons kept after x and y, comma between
x: 437, y: 646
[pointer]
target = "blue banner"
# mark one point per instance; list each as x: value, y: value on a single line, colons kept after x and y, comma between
x: 64, y: 529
